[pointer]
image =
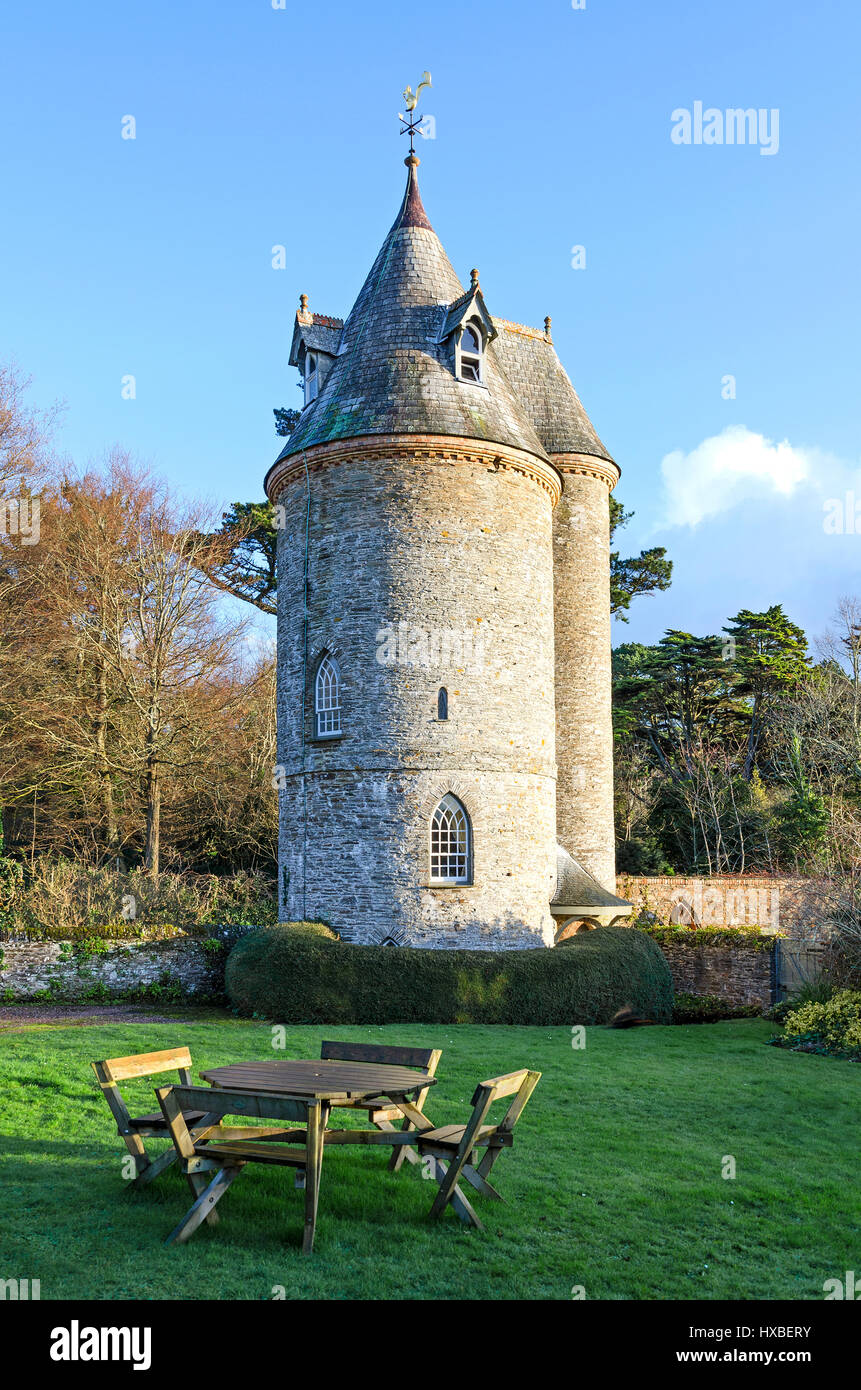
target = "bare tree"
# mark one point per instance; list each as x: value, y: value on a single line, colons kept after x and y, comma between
x: 25, y: 434
x: 176, y: 641
x: 841, y: 645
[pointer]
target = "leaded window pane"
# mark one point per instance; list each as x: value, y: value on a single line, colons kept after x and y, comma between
x: 449, y: 842
x: 327, y: 697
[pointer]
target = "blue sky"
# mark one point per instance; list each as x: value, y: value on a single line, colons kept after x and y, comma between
x: 258, y: 127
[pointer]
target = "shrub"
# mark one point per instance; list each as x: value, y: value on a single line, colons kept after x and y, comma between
x: 710, y: 1008
x: 817, y: 991
x: 833, y: 1025
x: 693, y: 938
x: 303, y: 973
x: 73, y: 902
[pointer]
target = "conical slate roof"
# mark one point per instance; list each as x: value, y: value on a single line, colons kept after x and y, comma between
x: 550, y: 402
x: 392, y: 374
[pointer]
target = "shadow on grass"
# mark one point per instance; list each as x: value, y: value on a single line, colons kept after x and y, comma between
x: 263, y: 1209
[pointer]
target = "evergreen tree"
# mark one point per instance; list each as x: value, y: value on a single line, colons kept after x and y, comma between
x: 675, y: 696
x: 285, y: 420
x: 641, y: 574
x: 249, y: 569
x: 769, y: 654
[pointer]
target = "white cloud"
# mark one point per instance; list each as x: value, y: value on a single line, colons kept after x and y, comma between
x: 728, y: 469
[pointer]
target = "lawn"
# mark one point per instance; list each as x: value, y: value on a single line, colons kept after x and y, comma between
x: 615, y: 1182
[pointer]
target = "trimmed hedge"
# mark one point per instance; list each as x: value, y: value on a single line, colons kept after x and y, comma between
x: 694, y: 938
x: 303, y: 973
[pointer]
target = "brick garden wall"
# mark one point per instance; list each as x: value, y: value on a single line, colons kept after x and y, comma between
x: 739, y: 974
x: 795, y: 906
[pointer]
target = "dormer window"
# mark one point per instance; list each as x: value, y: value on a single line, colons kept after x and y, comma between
x: 310, y: 377
x: 470, y: 349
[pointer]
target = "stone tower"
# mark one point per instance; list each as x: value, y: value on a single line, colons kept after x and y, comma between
x: 443, y: 620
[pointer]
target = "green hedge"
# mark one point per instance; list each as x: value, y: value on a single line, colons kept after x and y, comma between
x: 694, y: 938
x: 303, y: 973
x: 710, y: 1008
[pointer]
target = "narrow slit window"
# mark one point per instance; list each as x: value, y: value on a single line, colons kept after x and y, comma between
x: 327, y: 698
x: 450, y: 846
x: 442, y: 704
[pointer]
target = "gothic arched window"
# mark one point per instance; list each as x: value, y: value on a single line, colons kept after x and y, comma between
x: 470, y: 352
x: 327, y: 697
x: 310, y: 377
x: 442, y: 703
x: 450, y: 847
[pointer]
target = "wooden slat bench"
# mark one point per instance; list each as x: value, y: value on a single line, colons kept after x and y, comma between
x: 379, y: 1110
x: 451, y: 1148
x: 133, y: 1129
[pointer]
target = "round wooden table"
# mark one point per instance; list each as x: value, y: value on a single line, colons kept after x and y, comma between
x: 325, y: 1080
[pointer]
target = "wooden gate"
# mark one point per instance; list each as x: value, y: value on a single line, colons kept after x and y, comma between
x: 796, y: 963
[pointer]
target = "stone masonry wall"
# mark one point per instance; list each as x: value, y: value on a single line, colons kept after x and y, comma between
x: 429, y: 564
x: 28, y: 968
x: 584, y: 726
x: 739, y: 974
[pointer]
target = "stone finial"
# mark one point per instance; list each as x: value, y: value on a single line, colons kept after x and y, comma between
x: 473, y: 279
x: 547, y: 332
x: 303, y: 304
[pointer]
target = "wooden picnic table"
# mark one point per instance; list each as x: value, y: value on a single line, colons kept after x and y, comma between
x: 330, y: 1081
x: 334, y: 1083
x: 322, y: 1085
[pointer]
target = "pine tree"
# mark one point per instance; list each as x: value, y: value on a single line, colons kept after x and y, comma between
x: 769, y: 654
x: 641, y: 574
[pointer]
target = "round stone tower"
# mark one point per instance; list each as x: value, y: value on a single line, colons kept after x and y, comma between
x: 416, y: 704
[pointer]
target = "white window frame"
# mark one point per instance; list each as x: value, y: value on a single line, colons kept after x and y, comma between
x: 450, y: 844
x: 327, y: 698
x: 311, y: 366
x: 474, y: 359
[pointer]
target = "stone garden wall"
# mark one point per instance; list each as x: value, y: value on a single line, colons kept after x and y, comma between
x: 739, y: 974
x: 57, y: 969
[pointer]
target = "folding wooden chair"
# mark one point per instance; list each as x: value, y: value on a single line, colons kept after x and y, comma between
x: 213, y: 1156
x: 451, y: 1147
x: 134, y: 1129
x: 380, y: 1111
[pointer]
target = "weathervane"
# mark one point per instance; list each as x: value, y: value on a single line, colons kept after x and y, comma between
x: 409, y: 122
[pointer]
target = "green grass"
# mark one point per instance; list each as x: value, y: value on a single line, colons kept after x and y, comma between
x: 614, y: 1182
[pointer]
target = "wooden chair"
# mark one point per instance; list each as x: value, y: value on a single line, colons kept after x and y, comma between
x: 213, y: 1155
x: 135, y: 1128
x: 380, y: 1111
x: 450, y: 1148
